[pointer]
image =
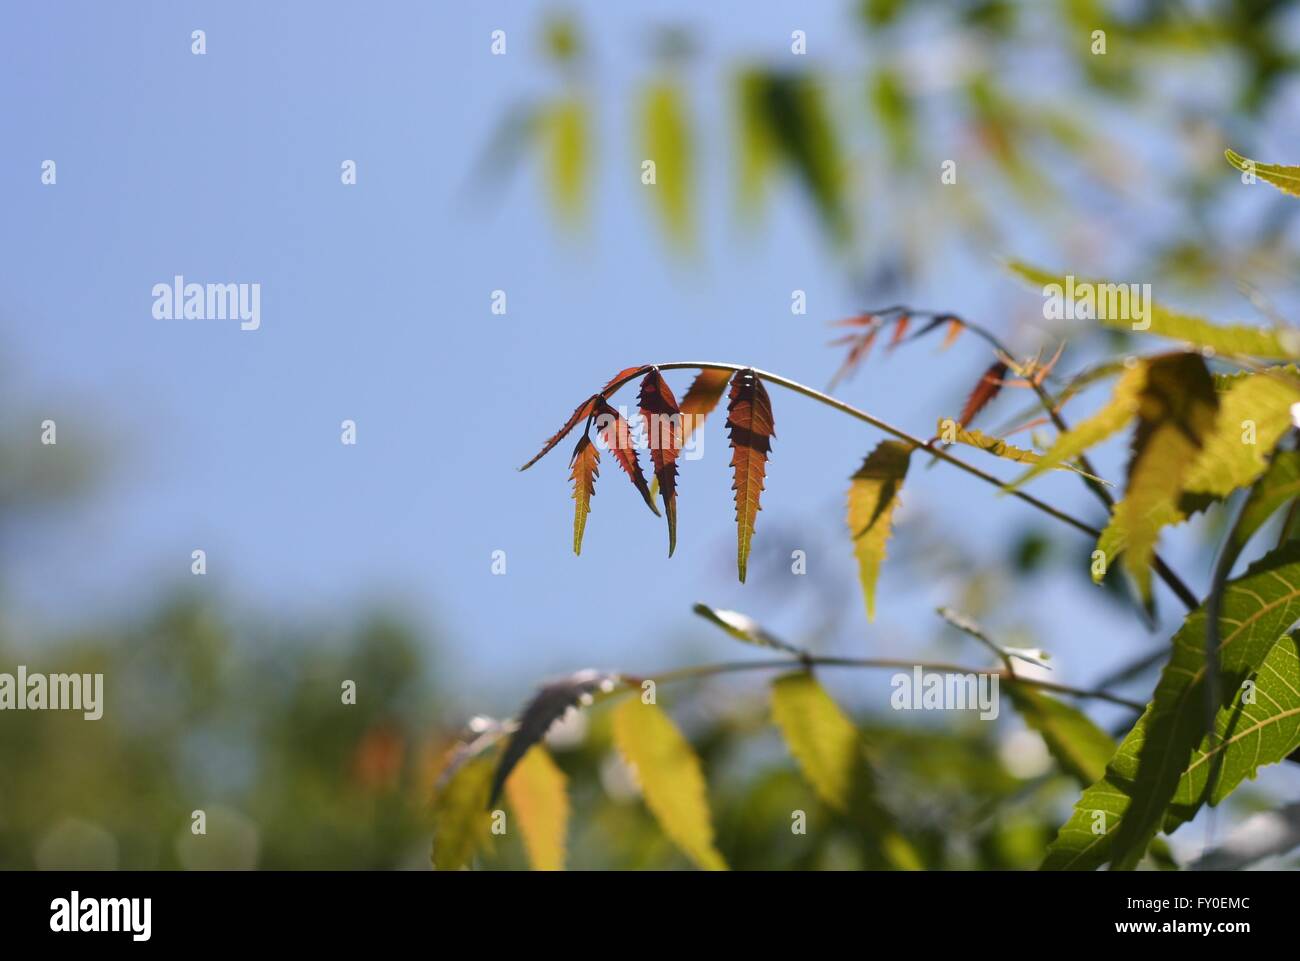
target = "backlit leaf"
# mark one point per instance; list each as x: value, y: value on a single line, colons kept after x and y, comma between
x: 564, y: 126
x: 617, y: 435
x: 670, y: 778
x: 831, y: 754
x: 668, y: 143
x: 751, y: 429
x: 583, y: 411
x: 873, y: 495
x: 989, y: 386
x: 1254, y: 413
x: 539, y: 799
x: 663, y: 424
x: 1117, y: 817
x: 1119, y: 410
x: 1177, y: 408
x: 585, y: 469
x: 1166, y: 322
x: 1284, y: 178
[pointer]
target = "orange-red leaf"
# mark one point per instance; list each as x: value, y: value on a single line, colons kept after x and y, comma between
x: 955, y: 327
x: 900, y: 330
x: 584, y: 411
x: 750, y: 426
x: 627, y: 373
x: 988, y: 387
x: 700, y: 399
x: 585, y: 465
x: 663, y: 425
x: 856, y: 355
x: 617, y: 435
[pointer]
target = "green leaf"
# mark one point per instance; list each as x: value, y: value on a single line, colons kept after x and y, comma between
x: 538, y: 795
x: 1285, y: 179
x: 1254, y: 413
x: 670, y: 777
x: 1247, y: 735
x: 667, y: 138
x: 1078, y: 745
x: 1177, y: 408
x: 832, y: 757
x: 784, y: 116
x: 1128, y: 804
x: 873, y: 495
x: 1119, y: 410
x: 1280, y: 483
x: 461, y: 821
x: 1165, y: 322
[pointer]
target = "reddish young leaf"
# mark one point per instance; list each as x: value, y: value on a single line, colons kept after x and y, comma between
x: 955, y: 327
x: 617, y: 435
x: 750, y: 426
x: 700, y: 399
x: 585, y: 470
x: 900, y: 330
x: 626, y: 373
x: 663, y: 424
x: 585, y: 410
x: 988, y: 387
x: 856, y: 355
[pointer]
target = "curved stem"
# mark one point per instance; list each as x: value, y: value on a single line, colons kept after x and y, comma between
x: 701, y: 671
x: 1161, y: 569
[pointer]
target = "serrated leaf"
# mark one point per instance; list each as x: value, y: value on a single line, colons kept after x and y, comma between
x: 585, y: 469
x: 1177, y: 409
x: 1078, y: 745
x: 1280, y: 483
x: 663, y: 424
x: 873, y: 495
x: 582, y: 412
x: 461, y: 822
x: 1119, y: 410
x: 1247, y: 735
x: 1164, y: 321
x: 1229, y: 459
x: 671, y: 779
x: 999, y: 447
x: 668, y: 143
x: 696, y: 404
x: 1284, y: 178
x: 832, y: 757
x: 1142, y: 778
x: 751, y: 429
x: 617, y: 435
x: 538, y: 794
x: 548, y: 705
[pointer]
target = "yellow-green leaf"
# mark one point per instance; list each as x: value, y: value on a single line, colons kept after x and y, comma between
x: 1177, y: 409
x: 461, y: 821
x: 1254, y: 413
x: 1162, y: 321
x: 671, y: 779
x: 952, y: 432
x: 1284, y: 178
x: 564, y: 127
x: 1119, y: 410
x: 873, y: 495
x: 832, y: 757
x: 539, y: 799
x: 668, y: 143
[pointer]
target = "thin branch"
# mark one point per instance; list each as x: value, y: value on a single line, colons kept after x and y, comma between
x: 1167, y: 575
x: 701, y: 671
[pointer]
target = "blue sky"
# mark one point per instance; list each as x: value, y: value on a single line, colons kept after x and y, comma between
x: 375, y: 307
